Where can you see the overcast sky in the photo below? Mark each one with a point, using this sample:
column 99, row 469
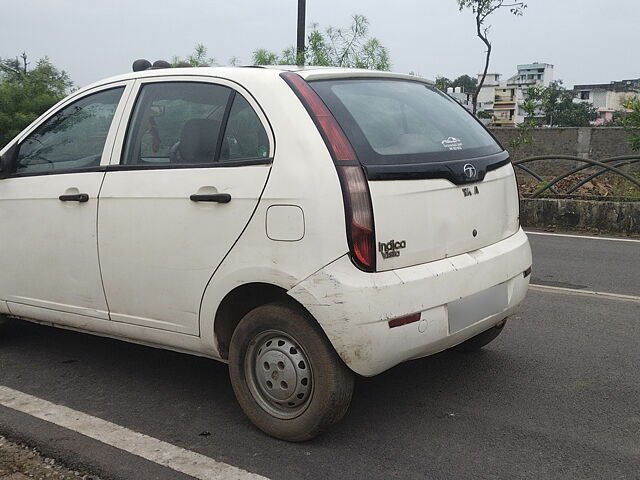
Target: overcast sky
column 588, row 41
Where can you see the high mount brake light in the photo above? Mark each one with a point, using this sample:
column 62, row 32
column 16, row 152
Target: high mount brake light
column 355, row 189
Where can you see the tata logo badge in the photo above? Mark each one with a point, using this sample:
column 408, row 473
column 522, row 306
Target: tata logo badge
column 470, row 171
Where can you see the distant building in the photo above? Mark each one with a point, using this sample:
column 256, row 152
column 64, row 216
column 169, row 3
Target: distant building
column 463, row 98
column 486, row 96
column 505, row 105
column 532, row 74
column 504, row 100
column 529, row 75
column 607, row 98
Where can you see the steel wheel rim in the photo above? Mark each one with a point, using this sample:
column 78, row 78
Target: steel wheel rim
column 279, row 374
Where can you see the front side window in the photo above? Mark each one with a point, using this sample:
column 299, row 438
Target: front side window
column 73, row 138
column 176, row 123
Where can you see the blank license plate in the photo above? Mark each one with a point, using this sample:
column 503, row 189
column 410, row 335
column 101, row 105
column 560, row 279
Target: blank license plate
column 472, row 309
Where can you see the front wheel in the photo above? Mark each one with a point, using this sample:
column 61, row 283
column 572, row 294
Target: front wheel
column 287, row 377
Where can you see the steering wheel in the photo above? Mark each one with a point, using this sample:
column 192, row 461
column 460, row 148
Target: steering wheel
column 36, row 157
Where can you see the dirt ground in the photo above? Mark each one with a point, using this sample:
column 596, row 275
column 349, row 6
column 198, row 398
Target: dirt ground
column 601, row 187
column 18, row 462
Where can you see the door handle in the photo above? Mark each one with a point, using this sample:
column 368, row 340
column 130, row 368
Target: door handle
column 211, row 197
column 77, row 197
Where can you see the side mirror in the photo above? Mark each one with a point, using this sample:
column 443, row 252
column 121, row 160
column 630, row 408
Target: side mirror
column 8, row 160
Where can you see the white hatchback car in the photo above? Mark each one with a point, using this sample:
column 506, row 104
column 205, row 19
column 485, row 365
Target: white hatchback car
column 300, row 224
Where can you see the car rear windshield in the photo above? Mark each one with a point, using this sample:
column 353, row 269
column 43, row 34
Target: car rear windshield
column 403, row 122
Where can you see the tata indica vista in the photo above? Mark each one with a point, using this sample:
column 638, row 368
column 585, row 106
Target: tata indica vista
column 301, row 224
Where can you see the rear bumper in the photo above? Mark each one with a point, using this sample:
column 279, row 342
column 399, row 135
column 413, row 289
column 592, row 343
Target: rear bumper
column 481, row 287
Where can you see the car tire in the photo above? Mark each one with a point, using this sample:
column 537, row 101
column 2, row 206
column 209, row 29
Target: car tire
column 287, row 377
column 476, row 343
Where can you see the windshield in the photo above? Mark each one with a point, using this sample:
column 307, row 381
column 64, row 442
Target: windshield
column 400, row 121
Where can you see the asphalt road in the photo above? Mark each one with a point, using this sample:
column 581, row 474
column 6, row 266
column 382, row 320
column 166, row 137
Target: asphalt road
column 589, row 263
column 557, row 395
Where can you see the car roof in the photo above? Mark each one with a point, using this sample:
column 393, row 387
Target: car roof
column 309, row 73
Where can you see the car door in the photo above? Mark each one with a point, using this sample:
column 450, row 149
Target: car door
column 49, row 207
column 194, row 161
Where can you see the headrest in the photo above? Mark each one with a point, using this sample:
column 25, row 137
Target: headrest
column 199, row 140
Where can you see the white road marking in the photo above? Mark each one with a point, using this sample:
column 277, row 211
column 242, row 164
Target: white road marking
column 149, row 448
column 586, row 237
column 574, row 291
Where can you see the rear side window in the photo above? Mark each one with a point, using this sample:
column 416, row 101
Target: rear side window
column 244, row 137
column 403, row 122
column 176, row 123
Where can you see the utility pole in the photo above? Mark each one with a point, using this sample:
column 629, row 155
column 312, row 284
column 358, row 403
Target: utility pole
column 302, row 7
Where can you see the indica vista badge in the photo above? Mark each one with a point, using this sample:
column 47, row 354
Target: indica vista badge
column 391, row 249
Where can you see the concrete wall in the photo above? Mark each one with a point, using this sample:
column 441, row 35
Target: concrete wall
column 588, row 142
column 569, row 214
column 609, row 144
column 565, row 214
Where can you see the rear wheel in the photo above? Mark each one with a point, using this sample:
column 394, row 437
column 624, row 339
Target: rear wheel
column 286, row 376
column 476, row 343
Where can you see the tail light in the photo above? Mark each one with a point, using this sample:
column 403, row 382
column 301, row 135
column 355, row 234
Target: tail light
column 355, row 189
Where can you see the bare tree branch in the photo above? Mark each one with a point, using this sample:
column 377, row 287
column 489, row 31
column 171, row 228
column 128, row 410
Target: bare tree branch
column 482, row 9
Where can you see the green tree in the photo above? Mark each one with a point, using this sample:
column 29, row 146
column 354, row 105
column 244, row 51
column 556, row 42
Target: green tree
column 551, row 98
column 443, row 83
column 27, row 93
column 262, row 56
column 534, row 97
column 339, row 47
column 468, row 84
column 482, row 9
column 572, row 114
column 553, row 106
column 560, row 109
column 631, row 121
column 198, row 58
